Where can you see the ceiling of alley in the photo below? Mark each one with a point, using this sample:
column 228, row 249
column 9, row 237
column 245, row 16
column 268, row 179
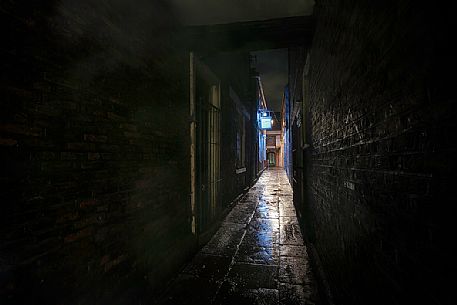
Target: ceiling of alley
column 197, row 12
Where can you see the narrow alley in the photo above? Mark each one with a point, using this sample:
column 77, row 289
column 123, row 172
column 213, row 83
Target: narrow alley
column 256, row 257
column 245, row 152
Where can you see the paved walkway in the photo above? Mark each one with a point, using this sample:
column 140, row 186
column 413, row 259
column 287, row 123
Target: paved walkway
column 256, row 257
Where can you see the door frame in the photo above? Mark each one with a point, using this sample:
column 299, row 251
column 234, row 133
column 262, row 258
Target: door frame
column 205, row 135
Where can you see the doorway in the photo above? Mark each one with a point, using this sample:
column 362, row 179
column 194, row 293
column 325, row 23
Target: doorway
column 271, row 159
column 208, row 130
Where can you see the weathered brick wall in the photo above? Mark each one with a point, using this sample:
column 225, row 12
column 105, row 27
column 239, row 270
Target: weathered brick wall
column 93, row 137
column 382, row 105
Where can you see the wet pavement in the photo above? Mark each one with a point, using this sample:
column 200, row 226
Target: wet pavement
column 256, row 257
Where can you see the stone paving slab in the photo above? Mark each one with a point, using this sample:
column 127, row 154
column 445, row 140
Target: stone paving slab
column 259, row 296
column 190, row 290
column 284, row 220
column 251, row 276
column 256, row 257
column 287, row 211
column 290, row 234
column 287, row 204
column 267, row 239
column 293, row 250
column 290, row 294
column 241, row 213
column 267, row 212
column 226, row 240
column 208, row 266
column 264, row 225
column 292, row 270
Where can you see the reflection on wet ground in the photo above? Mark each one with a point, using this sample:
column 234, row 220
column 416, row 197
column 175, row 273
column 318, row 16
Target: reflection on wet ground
column 256, row 257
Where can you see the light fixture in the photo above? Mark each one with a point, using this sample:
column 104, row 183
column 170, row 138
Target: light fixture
column 265, row 123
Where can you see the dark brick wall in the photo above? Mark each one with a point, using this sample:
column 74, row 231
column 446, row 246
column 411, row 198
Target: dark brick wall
column 381, row 174
column 93, row 143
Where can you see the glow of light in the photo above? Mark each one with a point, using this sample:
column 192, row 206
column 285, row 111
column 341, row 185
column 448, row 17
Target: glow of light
column 265, row 123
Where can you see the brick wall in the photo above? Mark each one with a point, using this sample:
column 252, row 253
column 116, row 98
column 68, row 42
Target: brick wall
column 382, row 163
column 93, row 140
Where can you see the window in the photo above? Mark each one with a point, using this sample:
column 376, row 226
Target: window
column 271, row 140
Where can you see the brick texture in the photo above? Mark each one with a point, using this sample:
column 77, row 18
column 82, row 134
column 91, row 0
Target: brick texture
column 382, row 163
column 94, row 190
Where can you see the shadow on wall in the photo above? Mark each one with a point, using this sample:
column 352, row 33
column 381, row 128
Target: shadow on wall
column 382, row 159
column 94, row 186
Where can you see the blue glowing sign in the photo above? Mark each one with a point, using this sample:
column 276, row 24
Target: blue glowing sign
column 265, row 122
